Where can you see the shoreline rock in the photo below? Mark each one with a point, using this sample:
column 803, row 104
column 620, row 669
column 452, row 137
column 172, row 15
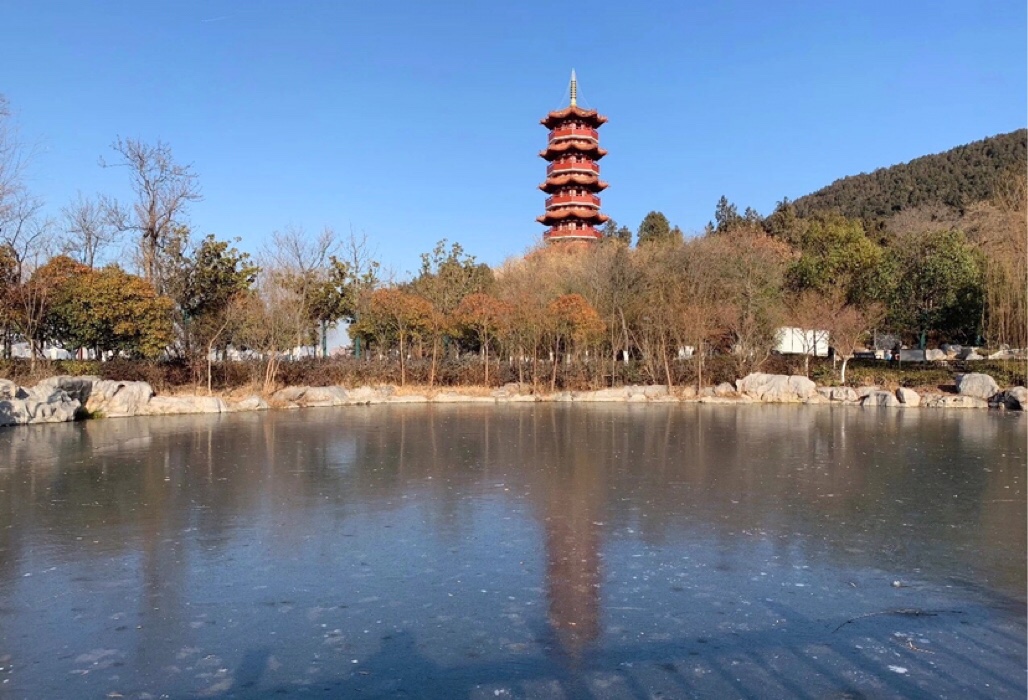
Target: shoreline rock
column 66, row 398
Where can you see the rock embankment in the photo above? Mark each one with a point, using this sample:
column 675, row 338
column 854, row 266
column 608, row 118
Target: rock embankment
column 61, row 399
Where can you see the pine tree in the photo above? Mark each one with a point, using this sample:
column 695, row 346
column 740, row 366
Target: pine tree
column 654, row 227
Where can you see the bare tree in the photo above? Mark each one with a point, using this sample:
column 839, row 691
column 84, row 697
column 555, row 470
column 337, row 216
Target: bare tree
column 13, row 161
column 296, row 263
column 92, row 226
column 163, row 190
column 34, row 246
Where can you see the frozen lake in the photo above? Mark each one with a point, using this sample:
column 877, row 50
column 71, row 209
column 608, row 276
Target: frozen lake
column 522, row 551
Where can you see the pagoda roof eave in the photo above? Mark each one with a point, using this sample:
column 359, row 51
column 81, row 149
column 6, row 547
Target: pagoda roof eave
column 552, row 217
column 590, row 181
column 590, row 116
column 555, row 150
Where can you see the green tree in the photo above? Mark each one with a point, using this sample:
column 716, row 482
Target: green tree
column 613, row 232
column 447, row 276
column 110, row 310
column 784, row 223
column 937, row 279
column 340, row 295
column 835, row 252
column 726, row 216
column 208, row 288
column 654, row 228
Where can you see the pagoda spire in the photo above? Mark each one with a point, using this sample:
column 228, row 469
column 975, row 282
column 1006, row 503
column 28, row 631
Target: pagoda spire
column 574, row 89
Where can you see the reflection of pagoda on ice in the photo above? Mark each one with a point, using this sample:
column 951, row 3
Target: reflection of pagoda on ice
column 572, row 517
column 573, row 175
column 573, row 574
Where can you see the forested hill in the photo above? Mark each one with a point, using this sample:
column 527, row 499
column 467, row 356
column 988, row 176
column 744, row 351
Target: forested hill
column 957, row 178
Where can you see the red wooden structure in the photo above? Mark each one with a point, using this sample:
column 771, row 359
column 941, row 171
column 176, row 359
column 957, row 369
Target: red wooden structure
column 573, row 175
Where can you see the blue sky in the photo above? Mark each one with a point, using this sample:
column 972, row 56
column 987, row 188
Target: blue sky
column 417, row 121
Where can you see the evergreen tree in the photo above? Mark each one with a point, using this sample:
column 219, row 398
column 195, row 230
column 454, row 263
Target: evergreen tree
column 726, row 216
column 654, row 227
column 612, row 231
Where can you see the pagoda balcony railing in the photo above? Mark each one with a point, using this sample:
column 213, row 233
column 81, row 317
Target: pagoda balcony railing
column 588, row 200
column 574, row 131
column 570, row 166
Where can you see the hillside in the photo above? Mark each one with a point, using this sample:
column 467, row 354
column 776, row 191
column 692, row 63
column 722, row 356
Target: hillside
column 955, row 178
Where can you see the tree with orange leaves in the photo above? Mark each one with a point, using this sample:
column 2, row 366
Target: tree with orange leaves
column 573, row 323
column 404, row 315
column 486, row 316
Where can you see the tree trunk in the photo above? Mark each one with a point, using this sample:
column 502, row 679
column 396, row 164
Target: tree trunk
column 667, row 366
column 403, row 365
column 556, row 361
column 699, row 367
column 435, row 353
column 842, row 371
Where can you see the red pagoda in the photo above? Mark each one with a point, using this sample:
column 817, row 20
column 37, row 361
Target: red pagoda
column 573, row 175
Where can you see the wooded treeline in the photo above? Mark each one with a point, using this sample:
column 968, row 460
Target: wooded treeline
column 955, row 179
column 568, row 313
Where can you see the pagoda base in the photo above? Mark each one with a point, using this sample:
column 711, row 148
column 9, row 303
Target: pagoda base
column 578, row 234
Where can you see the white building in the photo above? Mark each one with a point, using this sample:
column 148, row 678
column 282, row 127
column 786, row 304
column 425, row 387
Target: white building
column 797, row 341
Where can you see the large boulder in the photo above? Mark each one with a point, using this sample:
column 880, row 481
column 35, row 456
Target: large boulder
column 1016, row 398
column 934, row 355
column 313, row 396
column 977, row 385
column 740, row 398
column 724, row 389
column 10, row 390
column 908, row 397
column 369, row 394
column 324, row 396
column 650, row 391
column 114, row 399
column 250, row 403
column 181, row 405
column 776, row 388
column 951, row 401
column 619, row 393
column 881, row 398
column 453, row 397
column 78, row 388
column 408, row 398
column 842, row 394
column 291, row 394
column 58, row 407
